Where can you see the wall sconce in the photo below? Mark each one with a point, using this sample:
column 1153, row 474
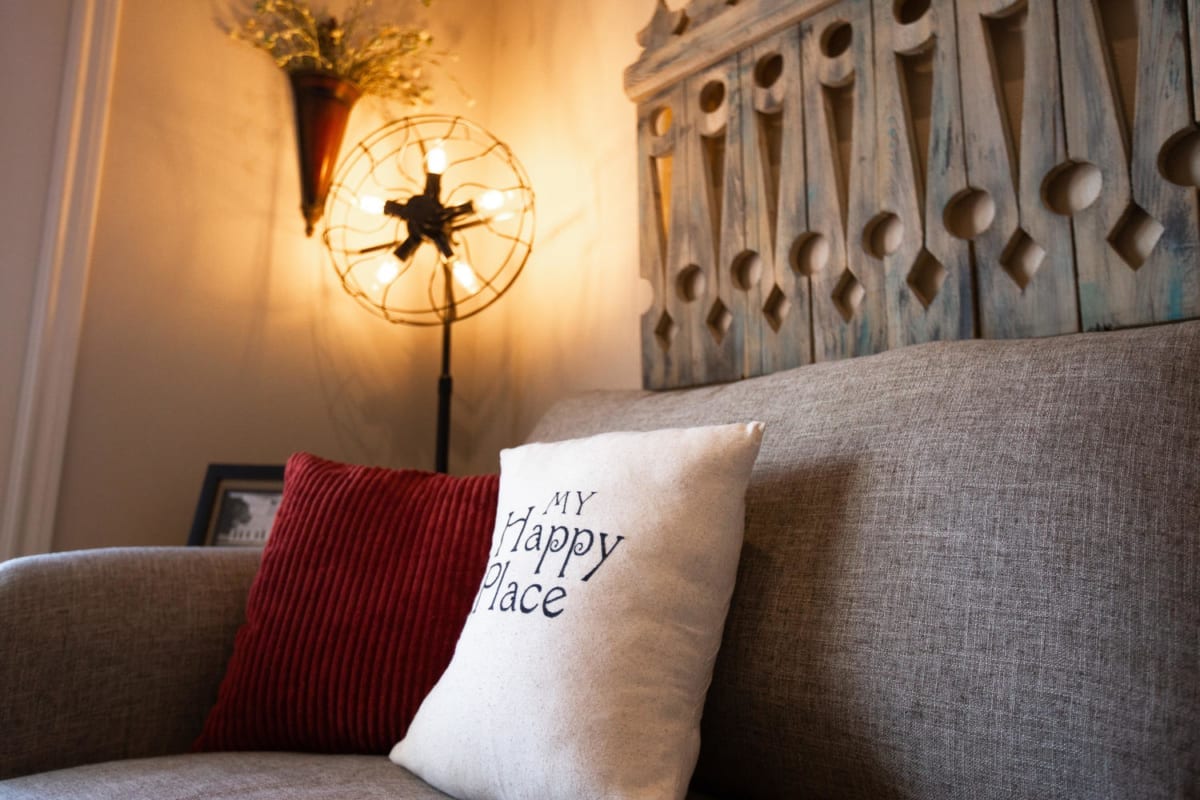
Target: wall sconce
column 429, row 221
column 330, row 63
column 323, row 103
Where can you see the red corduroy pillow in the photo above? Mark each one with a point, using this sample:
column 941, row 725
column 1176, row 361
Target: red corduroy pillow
column 365, row 584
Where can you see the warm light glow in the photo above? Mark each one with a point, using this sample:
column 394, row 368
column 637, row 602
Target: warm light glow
column 466, row 277
column 491, row 200
column 371, row 204
column 387, row 271
column 435, row 160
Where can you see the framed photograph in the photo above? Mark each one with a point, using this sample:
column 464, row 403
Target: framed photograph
column 237, row 505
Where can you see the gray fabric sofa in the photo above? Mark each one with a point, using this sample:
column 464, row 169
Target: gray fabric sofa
column 971, row 569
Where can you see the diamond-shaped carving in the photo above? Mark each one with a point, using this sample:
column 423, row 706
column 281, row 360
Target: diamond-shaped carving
column 1135, row 236
column 718, row 321
column 848, row 295
column 926, row 277
column 665, row 330
column 776, row 308
column 1022, row 258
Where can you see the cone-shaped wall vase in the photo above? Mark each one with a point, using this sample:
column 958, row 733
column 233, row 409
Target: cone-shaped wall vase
column 323, row 104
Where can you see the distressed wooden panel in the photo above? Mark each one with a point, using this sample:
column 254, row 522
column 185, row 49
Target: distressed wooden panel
column 920, row 166
column 849, row 304
column 701, row 11
column 843, row 177
column 665, row 24
column 675, row 48
column 658, row 128
column 1116, row 122
column 776, row 205
column 732, row 315
column 1092, row 186
column 1167, row 284
column 1013, row 120
column 1194, row 28
column 696, row 290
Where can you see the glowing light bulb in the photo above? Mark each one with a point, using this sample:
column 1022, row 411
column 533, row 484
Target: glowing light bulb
column 387, row 271
column 466, row 277
column 435, row 160
column 491, row 200
column 494, row 205
column 371, row 204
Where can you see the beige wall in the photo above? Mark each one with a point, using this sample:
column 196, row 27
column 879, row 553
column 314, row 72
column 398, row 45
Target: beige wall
column 33, row 43
column 215, row 331
column 571, row 322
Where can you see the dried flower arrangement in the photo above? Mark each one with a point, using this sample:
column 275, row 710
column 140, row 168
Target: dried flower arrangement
column 386, row 60
column 330, row 62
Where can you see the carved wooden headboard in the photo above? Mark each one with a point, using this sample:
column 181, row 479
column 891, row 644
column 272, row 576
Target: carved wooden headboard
column 821, row 180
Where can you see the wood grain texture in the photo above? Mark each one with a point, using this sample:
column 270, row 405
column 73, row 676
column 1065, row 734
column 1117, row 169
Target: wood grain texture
column 659, row 331
column 849, row 308
column 696, row 285
column 683, row 249
column 896, row 235
column 929, row 280
column 673, row 58
column 1167, row 284
column 744, row 247
column 663, row 25
column 1193, row 13
column 826, row 221
column 1095, row 136
column 779, row 210
column 734, row 352
column 1024, row 259
column 950, row 313
column 701, row 11
column 852, row 176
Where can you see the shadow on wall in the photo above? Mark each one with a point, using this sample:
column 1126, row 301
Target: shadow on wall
column 381, row 395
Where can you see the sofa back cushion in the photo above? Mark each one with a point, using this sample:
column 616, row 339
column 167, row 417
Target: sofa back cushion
column 970, row 569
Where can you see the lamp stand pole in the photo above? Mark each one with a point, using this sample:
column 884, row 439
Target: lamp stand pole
column 445, row 381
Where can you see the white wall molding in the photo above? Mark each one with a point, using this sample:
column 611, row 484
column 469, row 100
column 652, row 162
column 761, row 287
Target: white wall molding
column 43, row 412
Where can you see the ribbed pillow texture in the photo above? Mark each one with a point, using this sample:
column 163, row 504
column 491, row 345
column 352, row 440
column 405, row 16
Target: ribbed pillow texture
column 366, row 581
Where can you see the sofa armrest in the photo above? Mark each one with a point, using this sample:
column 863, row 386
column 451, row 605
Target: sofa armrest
column 117, row 653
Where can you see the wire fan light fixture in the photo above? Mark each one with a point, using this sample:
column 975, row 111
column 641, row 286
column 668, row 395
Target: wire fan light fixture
column 421, row 200
column 429, row 221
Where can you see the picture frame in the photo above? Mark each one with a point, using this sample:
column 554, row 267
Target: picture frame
column 237, row 505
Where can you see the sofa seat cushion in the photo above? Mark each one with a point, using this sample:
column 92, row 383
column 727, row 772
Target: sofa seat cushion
column 227, row 776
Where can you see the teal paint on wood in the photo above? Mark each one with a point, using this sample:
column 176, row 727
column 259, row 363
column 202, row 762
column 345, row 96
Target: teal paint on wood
column 778, row 92
column 1194, row 39
column 1165, row 283
column 1013, row 123
column 897, row 174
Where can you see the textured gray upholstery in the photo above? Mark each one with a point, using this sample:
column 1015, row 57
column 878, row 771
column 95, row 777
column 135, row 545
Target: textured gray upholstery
column 971, row 569
column 228, row 776
column 110, row 654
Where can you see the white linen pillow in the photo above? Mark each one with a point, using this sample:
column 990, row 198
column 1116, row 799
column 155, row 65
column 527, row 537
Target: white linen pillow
column 584, row 664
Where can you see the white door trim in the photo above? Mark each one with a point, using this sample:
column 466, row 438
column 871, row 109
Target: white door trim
column 48, row 378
